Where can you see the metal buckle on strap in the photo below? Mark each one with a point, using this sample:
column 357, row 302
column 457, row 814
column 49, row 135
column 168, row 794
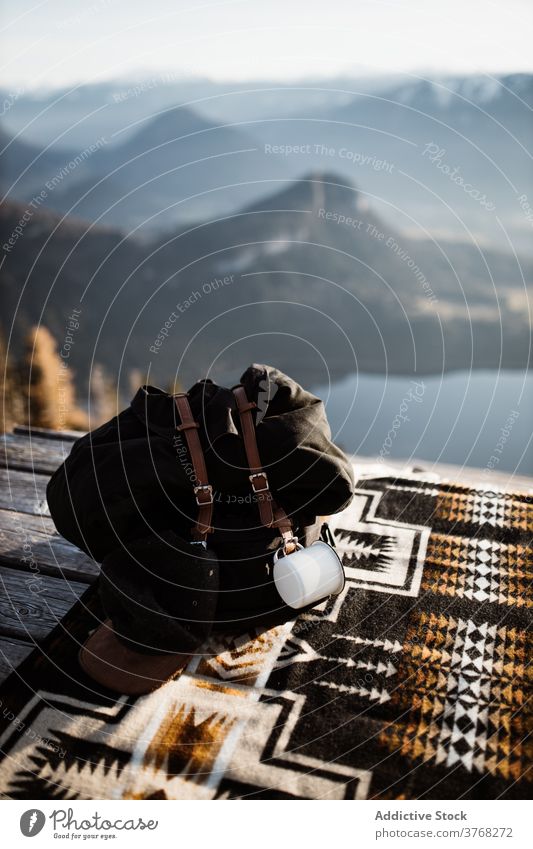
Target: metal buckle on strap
column 255, row 488
column 205, row 489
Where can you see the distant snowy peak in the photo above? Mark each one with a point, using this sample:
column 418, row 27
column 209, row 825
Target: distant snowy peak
column 479, row 89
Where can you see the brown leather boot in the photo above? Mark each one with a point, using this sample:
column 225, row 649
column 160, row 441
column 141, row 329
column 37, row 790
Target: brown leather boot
column 109, row 662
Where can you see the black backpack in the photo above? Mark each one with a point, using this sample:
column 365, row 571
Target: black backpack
column 184, row 519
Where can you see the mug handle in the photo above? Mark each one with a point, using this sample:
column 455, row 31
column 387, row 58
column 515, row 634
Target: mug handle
column 280, row 552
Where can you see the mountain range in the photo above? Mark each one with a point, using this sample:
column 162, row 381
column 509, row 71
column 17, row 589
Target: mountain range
column 176, row 166
column 448, row 157
column 311, row 278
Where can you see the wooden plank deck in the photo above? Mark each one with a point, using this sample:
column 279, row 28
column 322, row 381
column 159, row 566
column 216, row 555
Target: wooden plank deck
column 42, row 575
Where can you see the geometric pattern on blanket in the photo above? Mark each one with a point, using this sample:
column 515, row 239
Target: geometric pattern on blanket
column 413, row 683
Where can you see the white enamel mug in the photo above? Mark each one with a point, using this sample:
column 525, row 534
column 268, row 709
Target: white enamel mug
column 308, row 575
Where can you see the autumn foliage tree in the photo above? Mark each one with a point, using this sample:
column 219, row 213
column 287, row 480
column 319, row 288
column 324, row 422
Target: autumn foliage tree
column 48, row 385
column 39, row 390
column 104, row 398
column 11, row 405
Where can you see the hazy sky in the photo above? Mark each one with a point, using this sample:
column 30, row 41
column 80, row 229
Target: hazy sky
column 58, row 42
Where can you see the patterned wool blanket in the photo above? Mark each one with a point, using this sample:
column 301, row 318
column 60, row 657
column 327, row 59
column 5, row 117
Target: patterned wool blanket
column 413, row 683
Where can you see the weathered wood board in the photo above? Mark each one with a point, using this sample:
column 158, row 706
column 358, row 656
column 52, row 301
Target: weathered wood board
column 41, row 574
column 32, row 454
column 31, row 605
column 31, row 543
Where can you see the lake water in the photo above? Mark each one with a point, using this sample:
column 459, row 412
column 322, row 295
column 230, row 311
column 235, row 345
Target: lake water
column 478, row 418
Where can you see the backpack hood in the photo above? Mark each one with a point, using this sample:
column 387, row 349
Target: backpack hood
column 285, row 411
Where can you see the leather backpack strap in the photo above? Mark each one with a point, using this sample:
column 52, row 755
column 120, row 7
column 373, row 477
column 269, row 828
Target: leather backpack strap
column 271, row 513
column 203, row 491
